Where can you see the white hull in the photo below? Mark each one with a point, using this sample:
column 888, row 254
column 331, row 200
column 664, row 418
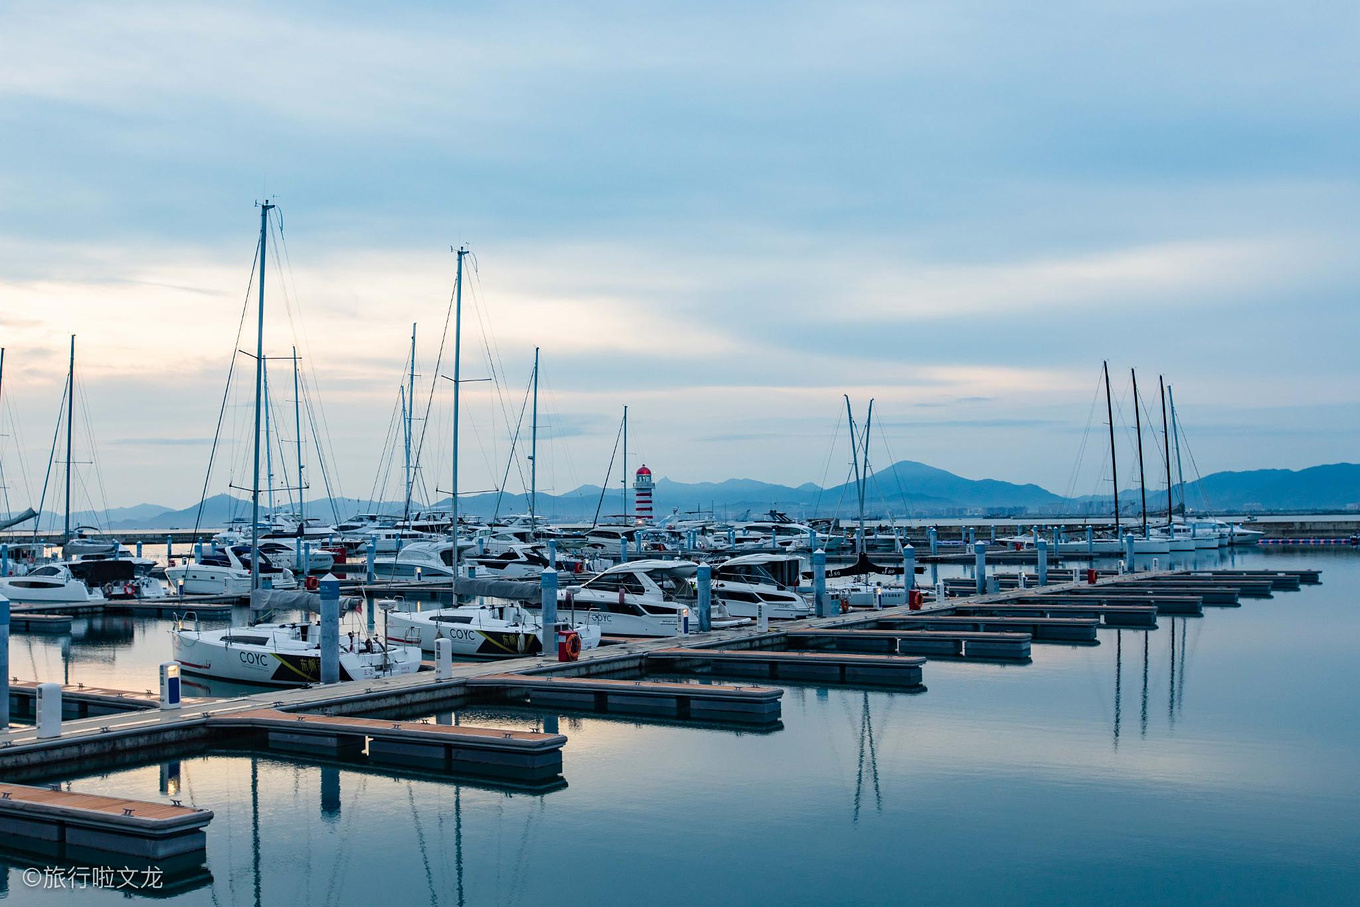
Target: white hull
column 24, row 590
column 207, row 655
column 483, row 636
column 202, row 579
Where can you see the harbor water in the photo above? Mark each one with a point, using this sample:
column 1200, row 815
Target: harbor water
column 1214, row 759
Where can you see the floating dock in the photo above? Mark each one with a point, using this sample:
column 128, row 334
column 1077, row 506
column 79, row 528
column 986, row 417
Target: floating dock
column 1040, row 629
column 78, row 701
column 947, row 643
column 522, row 755
column 66, row 820
column 705, row 702
column 1179, row 605
column 872, row 670
column 1111, row 615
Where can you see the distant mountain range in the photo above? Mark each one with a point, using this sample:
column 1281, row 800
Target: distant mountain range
column 906, row 488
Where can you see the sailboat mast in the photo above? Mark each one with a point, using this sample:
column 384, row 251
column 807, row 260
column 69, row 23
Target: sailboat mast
column 268, row 449
column 1166, row 445
column 626, row 519
column 70, row 409
column 259, row 392
column 297, row 427
column 533, row 456
column 3, row 488
column 410, row 392
column 1114, row 460
column 864, row 473
column 1138, row 427
column 1176, row 439
column 457, row 366
column 854, row 456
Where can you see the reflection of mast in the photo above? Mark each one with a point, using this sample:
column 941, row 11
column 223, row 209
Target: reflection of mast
column 330, row 794
column 255, row 823
column 1180, row 691
column 458, row 839
column 1143, row 729
column 866, row 744
column 1171, row 688
column 1118, row 681
column 420, row 840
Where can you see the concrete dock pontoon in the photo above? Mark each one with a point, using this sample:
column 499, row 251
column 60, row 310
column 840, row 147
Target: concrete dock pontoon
column 108, row 824
column 1111, row 615
column 1040, row 629
column 710, row 702
column 954, row 644
column 874, row 670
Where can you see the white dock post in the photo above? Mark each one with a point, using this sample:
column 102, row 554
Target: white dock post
column 4, row 663
column 980, row 565
column 704, row 580
column 682, row 622
column 170, row 692
column 878, row 598
column 1042, row 547
column 731, row 538
column 821, row 604
column 1021, row 579
column 48, row 710
column 443, row 659
column 330, row 629
column 762, row 619
column 940, row 592
column 548, row 582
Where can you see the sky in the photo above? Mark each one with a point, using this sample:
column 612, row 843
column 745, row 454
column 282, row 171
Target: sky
column 724, row 216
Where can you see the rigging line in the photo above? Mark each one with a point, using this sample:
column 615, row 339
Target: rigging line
column 514, row 442
column 434, row 381
column 901, row 491
column 226, row 391
column 420, row 840
column 94, row 455
column 1081, row 450
column 19, row 447
column 826, row 468
column 556, row 422
column 51, row 457
column 609, row 472
column 388, row 438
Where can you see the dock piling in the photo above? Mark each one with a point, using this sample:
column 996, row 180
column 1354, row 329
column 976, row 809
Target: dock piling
column 4, row 663
column 1128, row 551
column 820, row 604
column 623, row 550
column 169, row 549
column 548, row 582
column 139, row 550
column 704, row 580
column 980, row 566
column 4, row 560
column 934, row 537
column 1042, row 547
column 908, row 569
column 1091, row 541
column 552, row 553
column 372, row 553
column 330, row 629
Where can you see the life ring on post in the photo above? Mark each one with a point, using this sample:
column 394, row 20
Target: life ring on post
column 573, row 646
column 311, row 583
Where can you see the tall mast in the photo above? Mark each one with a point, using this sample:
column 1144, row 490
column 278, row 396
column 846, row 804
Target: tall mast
column 259, row 391
column 854, row 456
column 533, row 456
column 268, row 449
column 70, row 408
column 297, row 427
column 1138, row 427
column 457, row 365
column 1114, row 460
column 626, row 519
column 864, row 455
column 410, row 412
column 1166, row 445
column 3, row 488
column 1176, row 438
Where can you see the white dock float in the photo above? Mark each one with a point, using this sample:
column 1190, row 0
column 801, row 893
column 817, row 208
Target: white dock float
column 875, row 670
column 108, row 824
column 710, row 702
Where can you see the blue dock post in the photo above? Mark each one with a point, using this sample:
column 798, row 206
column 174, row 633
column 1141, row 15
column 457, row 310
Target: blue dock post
column 305, row 561
column 552, row 553
column 731, row 538
column 548, row 581
column 992, row 536
column 1091, row 541
column 623, row 550
column 1128, row 551
column 934, row 537
column 972, row 535
column 980, row 565
column 371, row 575
column 198, row 552
column 812, row 539
column 819, row 599
column 908, row 571
column 1042, row 547
column 637, row 543
column 704, row 579
column 330, row 629
column 139, row 550
column 1035, row 533
column 4, row 663
column 169, row 548
column 4, row 559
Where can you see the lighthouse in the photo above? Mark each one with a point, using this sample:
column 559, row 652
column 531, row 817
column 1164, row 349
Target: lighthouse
column 642, row 489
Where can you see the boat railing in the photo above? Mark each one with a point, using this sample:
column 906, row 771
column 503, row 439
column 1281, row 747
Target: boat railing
column 181, row 618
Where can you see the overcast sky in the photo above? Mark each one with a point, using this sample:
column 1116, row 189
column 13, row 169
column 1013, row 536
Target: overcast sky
column 723, row 215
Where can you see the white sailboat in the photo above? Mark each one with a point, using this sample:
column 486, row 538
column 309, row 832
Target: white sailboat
column 482, row 631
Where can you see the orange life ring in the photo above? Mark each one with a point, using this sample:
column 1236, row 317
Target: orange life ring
column 573, row 646
column 312, row 583
column 576, row 567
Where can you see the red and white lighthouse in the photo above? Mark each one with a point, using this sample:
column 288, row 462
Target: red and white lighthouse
column 642, row 489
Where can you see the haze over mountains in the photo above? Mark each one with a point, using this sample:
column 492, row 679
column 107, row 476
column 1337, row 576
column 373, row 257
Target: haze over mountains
column 906, row 488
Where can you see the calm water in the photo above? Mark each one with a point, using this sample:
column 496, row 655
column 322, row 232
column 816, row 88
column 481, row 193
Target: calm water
column 1213, row 759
